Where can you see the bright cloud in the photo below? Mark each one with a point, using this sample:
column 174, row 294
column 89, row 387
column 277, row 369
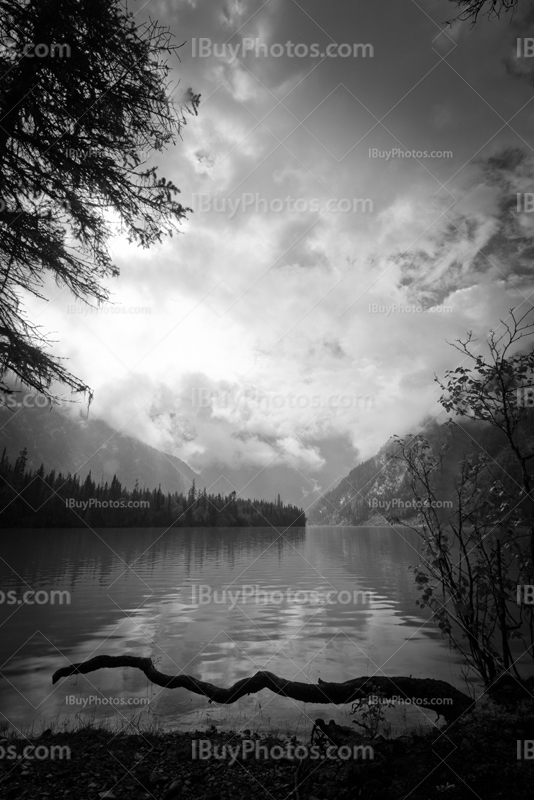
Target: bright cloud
column 274, row 314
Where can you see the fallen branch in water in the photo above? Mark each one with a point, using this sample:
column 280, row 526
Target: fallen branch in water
column 435, row 695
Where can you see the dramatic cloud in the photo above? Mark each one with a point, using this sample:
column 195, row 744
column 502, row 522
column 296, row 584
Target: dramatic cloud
column 309, row 299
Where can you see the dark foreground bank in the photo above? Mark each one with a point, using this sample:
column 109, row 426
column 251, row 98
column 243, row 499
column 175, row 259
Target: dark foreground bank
column 489, row 754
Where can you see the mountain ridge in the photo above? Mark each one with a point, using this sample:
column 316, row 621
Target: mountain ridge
column 378, row 486
column 61, row 442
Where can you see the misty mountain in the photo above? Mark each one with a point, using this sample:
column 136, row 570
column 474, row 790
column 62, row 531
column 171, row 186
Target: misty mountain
column 60, row 440
column 65, row 443
column 379, row 486
column 300, row 486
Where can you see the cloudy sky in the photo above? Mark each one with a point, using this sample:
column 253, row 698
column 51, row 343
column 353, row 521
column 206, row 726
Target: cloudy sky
column 300, row 318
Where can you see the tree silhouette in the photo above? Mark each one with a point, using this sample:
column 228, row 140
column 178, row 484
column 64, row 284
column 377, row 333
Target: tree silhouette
column 470, row 9
column 84, row 100
column 61, row 501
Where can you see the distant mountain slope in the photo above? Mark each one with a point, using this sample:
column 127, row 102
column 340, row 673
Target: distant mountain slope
column 68, row 444
column 379, row 485
column 61, row 442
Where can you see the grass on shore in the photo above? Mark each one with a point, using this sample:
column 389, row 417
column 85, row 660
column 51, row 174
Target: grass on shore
column 477, row 756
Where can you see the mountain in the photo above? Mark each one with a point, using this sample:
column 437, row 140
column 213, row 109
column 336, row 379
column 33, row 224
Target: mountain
column 65, row 443
column 68, row 443
column 61, row 441
column 379, row 486
column 300, row 486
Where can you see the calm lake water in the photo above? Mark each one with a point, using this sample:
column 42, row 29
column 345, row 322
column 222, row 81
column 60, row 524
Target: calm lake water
column 137, row 591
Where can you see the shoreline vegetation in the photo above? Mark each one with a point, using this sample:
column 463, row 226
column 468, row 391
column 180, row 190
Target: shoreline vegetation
column 479, row 749
column 35, row 499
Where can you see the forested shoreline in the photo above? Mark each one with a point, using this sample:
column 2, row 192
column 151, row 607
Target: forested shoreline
column 39, row 499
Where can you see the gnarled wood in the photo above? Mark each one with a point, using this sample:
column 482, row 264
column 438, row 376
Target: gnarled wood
column 425, row 690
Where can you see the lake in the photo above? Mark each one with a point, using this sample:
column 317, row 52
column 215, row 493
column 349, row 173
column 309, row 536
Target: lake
column 171, row 595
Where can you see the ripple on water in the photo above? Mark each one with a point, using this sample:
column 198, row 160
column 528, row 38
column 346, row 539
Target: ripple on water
column 113, row 611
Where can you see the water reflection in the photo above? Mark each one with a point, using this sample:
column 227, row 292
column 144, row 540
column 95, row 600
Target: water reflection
column 138, row 591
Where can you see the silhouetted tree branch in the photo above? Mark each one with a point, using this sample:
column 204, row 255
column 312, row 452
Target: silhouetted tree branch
column 490, row 8
column 84, row 103
column 425, row 689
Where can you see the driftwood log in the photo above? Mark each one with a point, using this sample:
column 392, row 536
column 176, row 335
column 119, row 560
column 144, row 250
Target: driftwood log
column 424, row 690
